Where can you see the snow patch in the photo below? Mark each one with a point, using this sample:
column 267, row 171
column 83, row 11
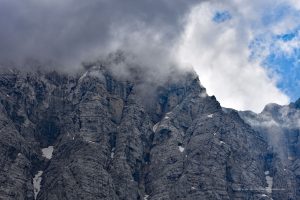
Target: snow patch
column 267, row 172
column 181, row 149
column 193, row 188
column 47, row 152
column 112, row 154
column 210, row 116
column 155, row 127
column 167, row 116
column 83, row 76
column 146, row 197
column 269, row 180
column 37, row 183
column 221, row 142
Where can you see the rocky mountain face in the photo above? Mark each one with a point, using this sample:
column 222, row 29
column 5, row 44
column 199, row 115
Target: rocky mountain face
column 115, row 138
column 280, row 126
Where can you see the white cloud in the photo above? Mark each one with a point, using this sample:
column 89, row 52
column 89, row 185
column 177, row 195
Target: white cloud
column 150, row 29
column 220, row 53
column 287, row 47
column 295, row 3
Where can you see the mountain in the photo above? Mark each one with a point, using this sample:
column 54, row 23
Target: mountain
column 280, row 126
column 97, row 135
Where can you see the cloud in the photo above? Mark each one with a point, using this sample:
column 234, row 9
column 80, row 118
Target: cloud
column 221, row 55
column 69, row 31
column 213, row 36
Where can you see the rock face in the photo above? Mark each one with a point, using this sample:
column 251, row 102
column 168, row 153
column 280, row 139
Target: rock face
column 112, row 140
column 280, row 126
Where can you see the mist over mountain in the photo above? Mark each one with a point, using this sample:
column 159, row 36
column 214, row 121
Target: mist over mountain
column 69, row 32
column 107, row 134
column 221, row 41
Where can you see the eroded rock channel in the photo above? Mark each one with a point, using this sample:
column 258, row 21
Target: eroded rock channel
column 37, row 179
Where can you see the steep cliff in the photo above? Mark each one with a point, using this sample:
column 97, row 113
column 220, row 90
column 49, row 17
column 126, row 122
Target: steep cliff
column 117, row 138
column 280, row 126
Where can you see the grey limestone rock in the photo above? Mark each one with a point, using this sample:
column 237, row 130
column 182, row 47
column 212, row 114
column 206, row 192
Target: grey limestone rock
column 280, row 126
column 119, row 138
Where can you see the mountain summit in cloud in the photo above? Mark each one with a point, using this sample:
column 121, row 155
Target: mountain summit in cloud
column 231, row 45
column 98, row 135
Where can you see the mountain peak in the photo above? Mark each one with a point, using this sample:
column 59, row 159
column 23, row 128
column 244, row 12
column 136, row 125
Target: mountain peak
column 297, row 104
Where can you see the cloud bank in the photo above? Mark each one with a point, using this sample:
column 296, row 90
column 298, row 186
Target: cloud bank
column 220, row 40
column 69, row 31
column 216, row 42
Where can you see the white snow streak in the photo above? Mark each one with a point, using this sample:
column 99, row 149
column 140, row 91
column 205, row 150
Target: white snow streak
column 155, row 127
column 37, row 179
column 210, row 116
column 83, row 76
column 112, row 154
column 269, row 180
column 37, row 183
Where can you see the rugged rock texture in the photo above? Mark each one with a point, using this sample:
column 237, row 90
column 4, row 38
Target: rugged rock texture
column 114, row 140
column 280, row 126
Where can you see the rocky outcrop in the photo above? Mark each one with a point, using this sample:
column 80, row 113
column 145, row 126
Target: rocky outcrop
column 119, row 138
column 280, row 126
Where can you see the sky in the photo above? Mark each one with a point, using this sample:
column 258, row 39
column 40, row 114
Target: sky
column 246, row 53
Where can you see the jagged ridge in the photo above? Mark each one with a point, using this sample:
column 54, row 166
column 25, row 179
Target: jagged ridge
column 113, row 141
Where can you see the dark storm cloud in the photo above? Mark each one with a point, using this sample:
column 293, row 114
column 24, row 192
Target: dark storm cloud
column 67, row 31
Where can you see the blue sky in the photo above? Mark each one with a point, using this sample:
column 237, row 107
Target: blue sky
column 285, row 66
column 221, row 16
column 283, row 58
column 246, row 53
column 285, row 62
column 288, row 70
